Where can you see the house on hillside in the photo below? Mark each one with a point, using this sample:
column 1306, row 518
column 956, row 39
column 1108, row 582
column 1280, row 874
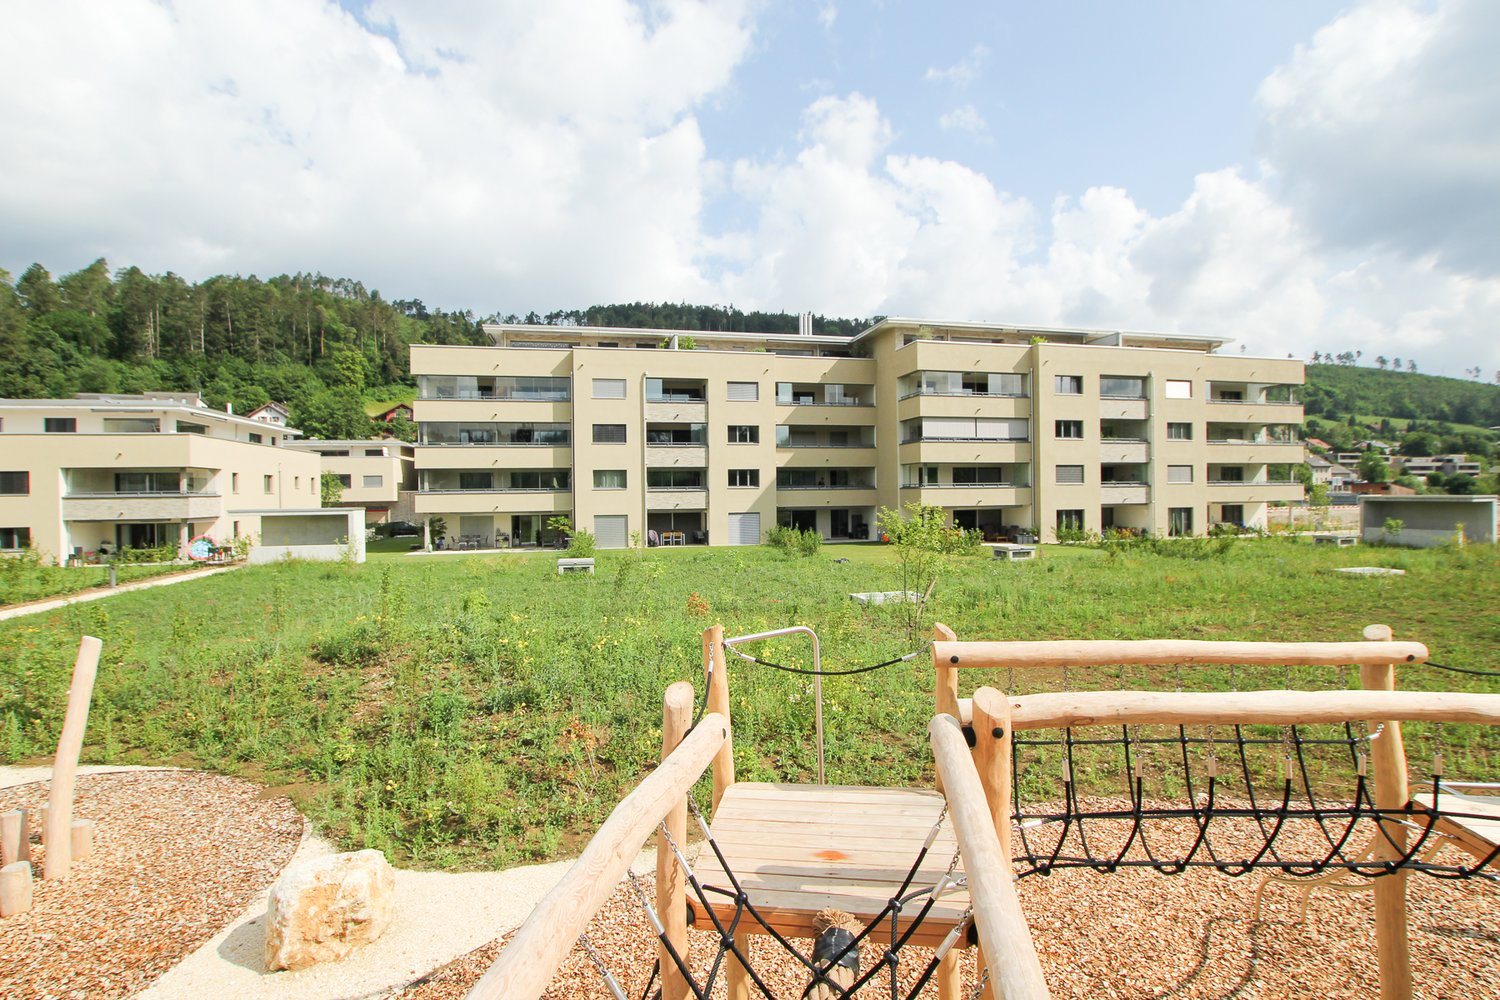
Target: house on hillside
column 393, row 412
column 273, row 413
column 1426, row 465
column 1336, row 477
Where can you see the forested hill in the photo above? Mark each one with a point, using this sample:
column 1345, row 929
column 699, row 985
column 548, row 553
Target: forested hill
column 1337, row 392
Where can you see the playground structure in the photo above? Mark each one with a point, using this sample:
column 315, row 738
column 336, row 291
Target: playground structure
column 778, row 854
column 65, row 838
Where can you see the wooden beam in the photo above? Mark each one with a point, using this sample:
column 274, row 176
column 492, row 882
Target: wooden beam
column 1100, row 652
column 526, row 966
column 1275, row 708
column 1014, row 969
column 59, row 857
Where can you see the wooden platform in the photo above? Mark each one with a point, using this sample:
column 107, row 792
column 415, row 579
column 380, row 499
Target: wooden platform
column 1476, row 828
column 797, row 849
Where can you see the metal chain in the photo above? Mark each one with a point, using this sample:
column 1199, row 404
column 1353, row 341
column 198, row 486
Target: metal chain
column 609, row 979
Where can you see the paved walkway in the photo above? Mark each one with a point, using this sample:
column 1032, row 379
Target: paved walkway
column 52, row 604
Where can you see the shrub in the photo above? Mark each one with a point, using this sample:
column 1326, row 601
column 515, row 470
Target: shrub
column 794, row 541
column 581, row 544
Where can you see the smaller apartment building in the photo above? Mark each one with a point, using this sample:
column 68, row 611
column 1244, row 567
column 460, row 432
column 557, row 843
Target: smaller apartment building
column 143, row 471
column 1003, row 428
column 376, row 474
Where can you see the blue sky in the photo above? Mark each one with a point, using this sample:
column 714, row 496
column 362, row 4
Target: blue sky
column 1297, row 176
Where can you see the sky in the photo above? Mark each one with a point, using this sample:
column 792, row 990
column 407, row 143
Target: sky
column 1296, row 175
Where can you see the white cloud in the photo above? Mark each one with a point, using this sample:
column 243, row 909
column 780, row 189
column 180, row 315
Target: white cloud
column 963, row 72
column 1385, row 131
column 827, row 14
column 510, row 155
column 963, row 119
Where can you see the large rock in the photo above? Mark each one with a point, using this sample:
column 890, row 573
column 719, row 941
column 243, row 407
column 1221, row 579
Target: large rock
column 323, row 908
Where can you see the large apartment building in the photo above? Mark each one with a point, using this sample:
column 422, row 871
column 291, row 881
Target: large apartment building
column 140, row 471
column 1004, row 428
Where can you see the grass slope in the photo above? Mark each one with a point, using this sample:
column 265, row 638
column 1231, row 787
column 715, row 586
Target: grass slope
column 481, row 710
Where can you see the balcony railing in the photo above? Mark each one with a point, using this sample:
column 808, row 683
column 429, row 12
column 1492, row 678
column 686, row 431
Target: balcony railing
column 1254, row 441
column 1253, row 482
column 511, row 395
column 501, row 489
column 136, row 494
column 835, row 486
column 964, row 486
column 1122, row 440
column 815, row 444
column 965, row 392
column 497, row 443
column 980, row 440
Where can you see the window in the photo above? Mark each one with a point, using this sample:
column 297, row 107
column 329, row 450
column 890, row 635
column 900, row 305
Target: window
column 609, row 433
column 15, row 484
column 373, row 482
column 609, row 388
column 374, row 453
column 60, row 425
column 234, row 482
column 978, row 475
column 674, row 479
column 1231, row 474
column 255, row 438
column 744, row 477
column 1178, row 388
column 1069, row 475
column 744, row 434
column 269, row 482
column 1179, row 520
column 1233, row 513
column 483, row 480
column 1069, row 429
column 1070, row 520
column 1122, row 387
column 183, row 427
column 1068, row 385
column 1179, row 432
column 1179, row 473
column 545, row 480
column 131, row 425
column 15, row 538
column 335, row 453
column 609, row 479
column 345, row 479
column 744, row 392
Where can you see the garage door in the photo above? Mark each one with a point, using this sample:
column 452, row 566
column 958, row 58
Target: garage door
column 744, row 529
column 609, row 530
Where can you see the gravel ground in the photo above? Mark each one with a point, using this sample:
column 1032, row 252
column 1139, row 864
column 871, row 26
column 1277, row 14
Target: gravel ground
column 177, row 855
column 1134, row 934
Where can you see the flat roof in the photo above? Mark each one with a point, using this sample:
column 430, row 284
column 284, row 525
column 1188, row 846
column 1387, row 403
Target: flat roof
column 163, row 403
column 1431, row 497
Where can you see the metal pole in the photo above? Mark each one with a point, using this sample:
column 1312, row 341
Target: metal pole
column 817, row 673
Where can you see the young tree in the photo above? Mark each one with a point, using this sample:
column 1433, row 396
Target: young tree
column 1373, row 467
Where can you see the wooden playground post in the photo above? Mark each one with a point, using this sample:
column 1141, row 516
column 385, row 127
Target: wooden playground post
column 992, row 757
column 716, row 676
column 1392, row 792
column 59, row 857
column 671, row 881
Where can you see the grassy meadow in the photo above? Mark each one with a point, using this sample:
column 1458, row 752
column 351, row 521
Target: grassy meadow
column 23, row 579
column 479, row 710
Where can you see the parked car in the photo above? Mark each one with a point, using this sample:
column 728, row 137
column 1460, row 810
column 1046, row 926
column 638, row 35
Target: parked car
column 403, row 528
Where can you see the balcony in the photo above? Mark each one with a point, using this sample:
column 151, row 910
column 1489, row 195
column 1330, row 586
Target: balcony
column 686, row 455
column 1124, row 450
column 1123, row 408
column 968, row 494
column 495, row 456
column 141, row 506
column 1111, row 494
column 493, row 501
column 824, row 394
column 676, row 498
column 1228, row 491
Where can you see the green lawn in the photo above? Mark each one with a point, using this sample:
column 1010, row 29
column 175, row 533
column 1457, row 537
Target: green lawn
column 479, row 710
column 22, row 581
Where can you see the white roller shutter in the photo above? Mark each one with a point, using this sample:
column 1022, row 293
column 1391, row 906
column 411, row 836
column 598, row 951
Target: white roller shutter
column 744, row 392
column 610, row 530
column 937, row 428
column 744, row 529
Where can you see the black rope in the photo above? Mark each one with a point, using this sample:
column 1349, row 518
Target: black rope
column 1464, row 670
column 824, row 673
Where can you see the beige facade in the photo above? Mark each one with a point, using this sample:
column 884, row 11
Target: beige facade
column 139, row 471
column 1006, row 429
column 375, row 474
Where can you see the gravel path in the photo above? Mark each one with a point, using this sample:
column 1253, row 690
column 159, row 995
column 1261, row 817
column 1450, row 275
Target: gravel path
column 178, row 854
column 1135, row 934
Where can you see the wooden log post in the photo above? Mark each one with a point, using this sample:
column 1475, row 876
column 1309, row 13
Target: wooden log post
column 716, row 676
column 1015, row 972
column 671, row 880
column 527, row 964
column 81, row 839
column 65, row 767
column 15, row 888
column 945, row 679
column 15, row 837
column 992, row 758
column 1388, row 768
